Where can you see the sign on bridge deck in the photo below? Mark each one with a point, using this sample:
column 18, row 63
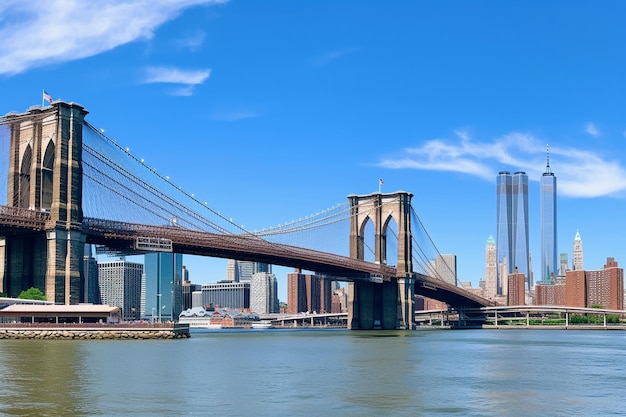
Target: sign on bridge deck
column 153, row 244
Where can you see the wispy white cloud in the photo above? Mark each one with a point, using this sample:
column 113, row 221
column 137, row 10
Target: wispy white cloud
column 40, row 33
column 187, row 79
column 234, row 116
column 191, row 42
column 592, row 129
column 332, row 56
column 184, row 91
column 580, row 172
column 176, row 75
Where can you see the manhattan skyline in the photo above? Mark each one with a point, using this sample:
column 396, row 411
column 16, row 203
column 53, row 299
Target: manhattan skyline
column 273, row 111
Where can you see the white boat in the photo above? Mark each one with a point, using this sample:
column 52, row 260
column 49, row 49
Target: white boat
column 263, row 324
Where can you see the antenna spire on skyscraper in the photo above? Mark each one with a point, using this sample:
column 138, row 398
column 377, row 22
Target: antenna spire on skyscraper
column 547, row 158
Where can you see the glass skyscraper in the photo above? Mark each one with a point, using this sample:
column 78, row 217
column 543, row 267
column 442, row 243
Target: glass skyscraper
column 512, row 227
column 164, row 285
column 549, row 265
column 521, row 256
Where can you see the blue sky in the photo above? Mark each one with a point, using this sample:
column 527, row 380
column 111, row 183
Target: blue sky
column 274, row 110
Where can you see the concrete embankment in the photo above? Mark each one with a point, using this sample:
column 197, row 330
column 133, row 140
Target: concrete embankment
column 555, row 327
column 112, row 333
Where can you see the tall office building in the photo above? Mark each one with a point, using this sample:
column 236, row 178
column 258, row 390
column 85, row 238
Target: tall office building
column 491, row 269
column 512, row 243
column 605, row 287
column 188, row 290
column 516, row 289
column 445, row 268
column 245, row 270
column 578, row 253
column 264, row 293
column 504, row 231
column 232, row 274
column 120, row 286
column 90, row 270
column 308, row 292
column 237, row 271
column 549, row 265
column 226, row 294
column 164, row 285
column 601, row 288
column 521, row 254
column 563, row 264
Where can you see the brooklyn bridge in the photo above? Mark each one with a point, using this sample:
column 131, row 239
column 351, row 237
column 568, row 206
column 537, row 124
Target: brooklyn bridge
column 69, row 185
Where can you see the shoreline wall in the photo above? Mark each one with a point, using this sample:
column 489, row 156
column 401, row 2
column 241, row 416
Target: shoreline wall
column 92, row 334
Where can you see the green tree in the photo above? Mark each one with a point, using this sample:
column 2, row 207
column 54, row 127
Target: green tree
column 32, row 294
column 3, row 294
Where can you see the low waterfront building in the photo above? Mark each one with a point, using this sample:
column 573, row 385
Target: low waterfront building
column 60, row 313
column 197, row 318
column 232, row 318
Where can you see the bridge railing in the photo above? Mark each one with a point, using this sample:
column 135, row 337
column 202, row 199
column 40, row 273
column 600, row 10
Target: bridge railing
column 22, row 217
column 109, row 232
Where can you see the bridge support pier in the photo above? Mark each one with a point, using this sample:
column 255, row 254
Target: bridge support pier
column 64, row 281
column 25, row 264
column 372, row 306
column 406, row 309
column 385, row 306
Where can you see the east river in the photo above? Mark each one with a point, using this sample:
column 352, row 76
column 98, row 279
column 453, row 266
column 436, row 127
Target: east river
column 320, row 373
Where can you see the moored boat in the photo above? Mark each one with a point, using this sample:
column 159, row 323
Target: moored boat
column 263, row 324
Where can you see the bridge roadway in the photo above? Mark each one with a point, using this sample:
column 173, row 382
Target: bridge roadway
column 123, row 236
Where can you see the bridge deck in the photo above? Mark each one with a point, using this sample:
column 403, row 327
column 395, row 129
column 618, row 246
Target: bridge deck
column 123, row 236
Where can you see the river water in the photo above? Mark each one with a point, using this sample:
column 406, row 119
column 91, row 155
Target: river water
column 321, row 373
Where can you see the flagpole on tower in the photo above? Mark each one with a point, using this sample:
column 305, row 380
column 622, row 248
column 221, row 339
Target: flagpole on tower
column 43, row 93
column 380, row 184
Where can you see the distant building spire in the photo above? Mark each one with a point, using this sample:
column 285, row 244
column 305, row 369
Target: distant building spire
column 547, row 159
column 578, row 252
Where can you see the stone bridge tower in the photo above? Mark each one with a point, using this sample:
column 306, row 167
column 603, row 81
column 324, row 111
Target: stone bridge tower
column 45, row 175
column 387, row 305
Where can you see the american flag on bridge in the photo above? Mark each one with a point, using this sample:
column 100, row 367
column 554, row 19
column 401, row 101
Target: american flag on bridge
column 47, row 97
